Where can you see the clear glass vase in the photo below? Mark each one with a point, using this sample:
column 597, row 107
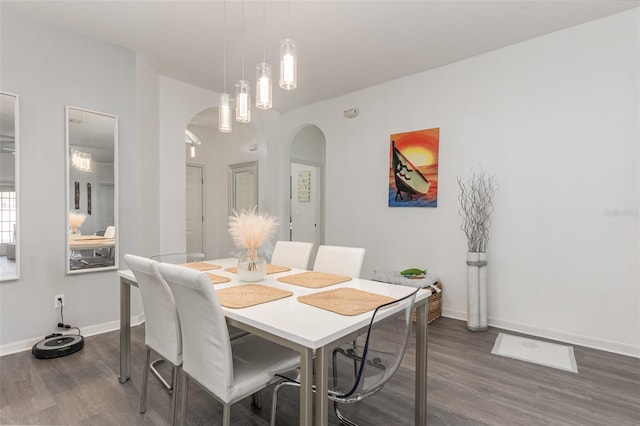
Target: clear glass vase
column 252, row 267
column 74, row 233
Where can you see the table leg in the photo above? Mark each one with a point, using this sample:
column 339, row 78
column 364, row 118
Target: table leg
column 306, row 387
column 421, row 365
column 125, row 331
column 322, row 378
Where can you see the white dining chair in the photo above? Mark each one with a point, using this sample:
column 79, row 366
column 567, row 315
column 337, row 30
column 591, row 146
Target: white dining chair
column 294, row 254
column 162, row 332
column 110, row 232
column 339, row 260
column 228, row 370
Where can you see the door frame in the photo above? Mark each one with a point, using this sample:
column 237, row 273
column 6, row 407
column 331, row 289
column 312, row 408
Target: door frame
column 204, row 203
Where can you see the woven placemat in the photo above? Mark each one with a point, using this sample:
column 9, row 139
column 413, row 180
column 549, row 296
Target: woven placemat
column 246, row 295
column 217, row 279
column 271, row 269
column 345, row 301
column 200, row 266
column 314, row 279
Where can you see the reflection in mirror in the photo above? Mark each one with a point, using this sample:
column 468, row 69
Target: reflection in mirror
column 243, row 186
column 92, row 190
column 9, row 247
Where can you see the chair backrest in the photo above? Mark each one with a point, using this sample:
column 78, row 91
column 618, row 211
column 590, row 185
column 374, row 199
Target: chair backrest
column 110, row 232
column 339, row 260
column 378, row 353
column 206, row 347
column 294, row 254
column 162, row 324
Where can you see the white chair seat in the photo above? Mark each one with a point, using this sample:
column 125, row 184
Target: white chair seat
column 255, row 363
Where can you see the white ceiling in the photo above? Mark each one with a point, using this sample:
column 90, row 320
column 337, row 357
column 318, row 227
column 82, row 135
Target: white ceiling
column 343, row 46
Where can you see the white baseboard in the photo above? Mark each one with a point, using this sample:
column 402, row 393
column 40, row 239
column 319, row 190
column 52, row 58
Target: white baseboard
column 89, row 330
column 562, row 336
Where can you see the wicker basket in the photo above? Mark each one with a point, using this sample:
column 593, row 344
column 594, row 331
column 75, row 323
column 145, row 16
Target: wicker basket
column 434, row 306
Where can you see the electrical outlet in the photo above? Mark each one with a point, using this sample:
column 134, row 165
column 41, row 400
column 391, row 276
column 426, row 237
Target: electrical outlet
column 56, row 300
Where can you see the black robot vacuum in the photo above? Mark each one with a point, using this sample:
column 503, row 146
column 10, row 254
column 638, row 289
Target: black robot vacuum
column 57, row 345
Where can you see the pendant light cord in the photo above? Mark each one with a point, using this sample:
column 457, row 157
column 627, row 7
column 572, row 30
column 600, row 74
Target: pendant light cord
column 243, row 39
column 264, row 20
column 225, row 46
column 288, row 21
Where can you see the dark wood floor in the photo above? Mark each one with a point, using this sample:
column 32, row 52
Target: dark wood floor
column 467, row 385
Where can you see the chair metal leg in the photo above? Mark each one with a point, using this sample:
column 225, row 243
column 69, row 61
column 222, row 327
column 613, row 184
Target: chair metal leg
column 145, row 381
column 157, row 374
column 175, row 374
column 185, row 396
column 226, row 415
column 256, row 400
column 274, row 400
column 343, row 420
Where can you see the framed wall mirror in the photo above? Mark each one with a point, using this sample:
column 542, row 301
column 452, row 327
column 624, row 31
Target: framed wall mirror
column 9, row 223
column 243, row 186
column 92, row 190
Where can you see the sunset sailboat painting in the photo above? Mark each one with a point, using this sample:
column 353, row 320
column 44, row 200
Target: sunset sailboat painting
column 413, row 169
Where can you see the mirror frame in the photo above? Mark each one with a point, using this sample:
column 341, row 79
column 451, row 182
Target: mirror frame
column 16, row 127
column 68, row 192
column 233, row 171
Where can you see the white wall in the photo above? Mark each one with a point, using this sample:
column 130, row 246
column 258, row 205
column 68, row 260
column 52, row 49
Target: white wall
column 49, row 68
column 147, row 182
column 555, row 119
column 308, row 145
column 7, row 169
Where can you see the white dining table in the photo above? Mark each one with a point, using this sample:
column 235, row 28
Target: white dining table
column 301, row 327
column 91, row 242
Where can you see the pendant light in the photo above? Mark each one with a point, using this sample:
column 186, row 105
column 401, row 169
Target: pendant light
column 243, row 90
column 263, row 72
column 224, row 110
column 288, row 60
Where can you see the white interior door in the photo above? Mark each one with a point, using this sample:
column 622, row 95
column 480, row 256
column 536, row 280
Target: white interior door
column 106, row 215
column 195, row 213
column 305, row 203
column 245, row 191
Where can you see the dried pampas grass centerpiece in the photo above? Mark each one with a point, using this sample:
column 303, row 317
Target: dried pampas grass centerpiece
column 250, row 230
column 75, row 221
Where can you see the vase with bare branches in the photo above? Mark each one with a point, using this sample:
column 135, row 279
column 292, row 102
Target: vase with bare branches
column 476, row 206
column 249, row 230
